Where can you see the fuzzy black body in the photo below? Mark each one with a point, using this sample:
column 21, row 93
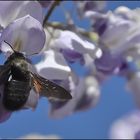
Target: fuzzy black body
column 18, row 78
column 18, row 82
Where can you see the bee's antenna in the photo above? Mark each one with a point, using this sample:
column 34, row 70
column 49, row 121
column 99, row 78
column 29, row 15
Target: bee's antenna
column 10, row 45
column 16, row 51
column 31, row 54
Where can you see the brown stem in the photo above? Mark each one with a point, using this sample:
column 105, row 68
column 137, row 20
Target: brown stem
column 52, row 7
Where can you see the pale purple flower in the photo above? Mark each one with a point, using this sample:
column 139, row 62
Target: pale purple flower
column 62, row 48
column 127, row 127
column 118, row 30
column 85, row 93
column 53, row 66
column 11, row 10
column 119, row 34
column 72, row 46
column 109, row 64
column 70, row 40
column 72, row 56
column 58, row 40
column 85, row 6
column 26, row 35
column 133, row 53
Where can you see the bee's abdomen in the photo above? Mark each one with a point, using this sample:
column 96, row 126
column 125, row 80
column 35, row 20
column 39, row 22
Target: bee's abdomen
column 15, row 94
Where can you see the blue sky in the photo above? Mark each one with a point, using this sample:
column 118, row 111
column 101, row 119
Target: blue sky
column 94, row 123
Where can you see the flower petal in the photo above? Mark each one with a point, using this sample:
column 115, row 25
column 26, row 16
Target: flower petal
column 109, row 63
column 11, row 10
column 73, row 42
column 72, row 56
column 25, row 35
column 125, row 24
column 8, row 11
column 53, row 66
column 33, row 9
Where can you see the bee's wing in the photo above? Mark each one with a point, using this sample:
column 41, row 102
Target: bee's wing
column 4, row 73
column 49, row 89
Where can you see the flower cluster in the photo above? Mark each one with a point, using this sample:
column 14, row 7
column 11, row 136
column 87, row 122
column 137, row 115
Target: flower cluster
column 78, row 59
column 22, row 26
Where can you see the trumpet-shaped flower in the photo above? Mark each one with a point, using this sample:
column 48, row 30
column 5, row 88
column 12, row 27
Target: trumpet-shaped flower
column 72, row 46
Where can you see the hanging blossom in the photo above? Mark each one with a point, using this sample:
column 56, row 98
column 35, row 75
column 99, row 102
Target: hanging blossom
column 55, row 60
column 27, row 36
column 69, row 48
column 72, row 46
column 118, row 34
column 127, row 127
column 85, row 92
column 118, row 30
column 62, row 50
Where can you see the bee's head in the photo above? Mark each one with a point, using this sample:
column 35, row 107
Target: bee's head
column 18, row 61
column 19, row 68
column 19, row 72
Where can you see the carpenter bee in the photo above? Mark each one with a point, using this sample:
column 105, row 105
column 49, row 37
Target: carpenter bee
column 19, row 79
